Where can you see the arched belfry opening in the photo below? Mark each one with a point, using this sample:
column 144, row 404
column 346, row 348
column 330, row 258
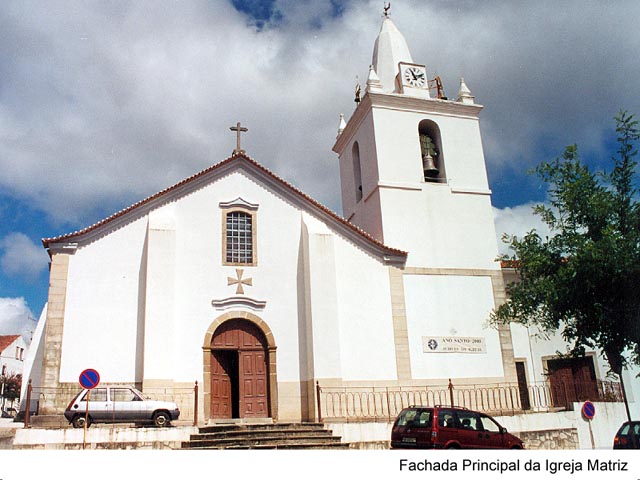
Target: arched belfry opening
column 239, row 368
column 433, row 166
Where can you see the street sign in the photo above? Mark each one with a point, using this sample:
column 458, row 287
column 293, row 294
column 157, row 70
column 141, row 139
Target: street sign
column 89, row 378
column 588, row 410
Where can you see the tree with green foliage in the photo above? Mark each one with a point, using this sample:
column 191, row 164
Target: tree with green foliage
column 583, row 281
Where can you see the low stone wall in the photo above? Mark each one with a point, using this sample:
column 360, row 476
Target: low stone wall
column 115, row 437
column 6, row 438
column 557, row 431
column 381, row 445
column 561, row 439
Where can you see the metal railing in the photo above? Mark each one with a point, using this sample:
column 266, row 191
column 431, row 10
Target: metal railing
column 369, row 403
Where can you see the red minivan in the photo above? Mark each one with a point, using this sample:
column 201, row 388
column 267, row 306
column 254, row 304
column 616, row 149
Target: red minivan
column 449, row 427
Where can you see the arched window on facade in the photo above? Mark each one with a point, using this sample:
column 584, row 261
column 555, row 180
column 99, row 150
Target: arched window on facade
column 357, row 171
column 433, row 166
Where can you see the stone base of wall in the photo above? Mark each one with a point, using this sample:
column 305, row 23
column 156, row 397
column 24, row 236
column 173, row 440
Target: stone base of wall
column 560, row 439
column 6, row 438
column 379, row 445
column 102, row 438
column 102, row 446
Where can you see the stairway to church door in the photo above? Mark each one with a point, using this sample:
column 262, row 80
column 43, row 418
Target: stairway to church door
column 239, row 374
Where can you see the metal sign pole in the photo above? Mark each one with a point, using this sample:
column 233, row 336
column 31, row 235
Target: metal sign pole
column 588, row 412
column 593, row 442
column 88, row 379
column 86, row 420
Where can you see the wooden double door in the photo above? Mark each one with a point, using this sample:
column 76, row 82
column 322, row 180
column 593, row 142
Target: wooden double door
column 239, row 373
column 572, row 380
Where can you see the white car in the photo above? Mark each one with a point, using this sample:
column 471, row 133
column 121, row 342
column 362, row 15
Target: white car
column 119, row 404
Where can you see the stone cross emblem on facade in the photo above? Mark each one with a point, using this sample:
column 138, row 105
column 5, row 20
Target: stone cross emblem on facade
column 239, row 281
column 239, row 130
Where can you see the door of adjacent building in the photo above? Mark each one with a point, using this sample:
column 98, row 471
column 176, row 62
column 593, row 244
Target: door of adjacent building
column 239, row 374
column 572, row 380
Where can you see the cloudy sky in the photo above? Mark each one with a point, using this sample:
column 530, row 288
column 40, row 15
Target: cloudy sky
column 103, row 103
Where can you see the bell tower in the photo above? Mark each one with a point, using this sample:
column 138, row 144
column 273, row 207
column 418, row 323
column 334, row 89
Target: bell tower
column 412, row 167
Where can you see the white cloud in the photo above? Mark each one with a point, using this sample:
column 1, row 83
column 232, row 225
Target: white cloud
column 518, row 221
column 16, row 318
column 117, row 101
column 21, row 257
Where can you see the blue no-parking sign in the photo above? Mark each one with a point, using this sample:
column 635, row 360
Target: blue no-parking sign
column 89, row 378
column 588, row 410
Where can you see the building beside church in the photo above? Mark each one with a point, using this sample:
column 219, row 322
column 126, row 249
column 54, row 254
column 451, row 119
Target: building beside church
column 236, row 279
column 12, row 352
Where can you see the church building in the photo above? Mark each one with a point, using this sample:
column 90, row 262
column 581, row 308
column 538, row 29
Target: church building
column 236, row 279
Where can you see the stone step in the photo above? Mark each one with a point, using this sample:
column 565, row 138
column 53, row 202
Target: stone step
column 264, row 439
column 272, row 444
column 260, row 427
column 280, row 446
column 281, row 433
column 264, row 436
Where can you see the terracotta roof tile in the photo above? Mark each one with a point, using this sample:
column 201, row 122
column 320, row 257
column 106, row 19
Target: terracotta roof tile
column 6, row 340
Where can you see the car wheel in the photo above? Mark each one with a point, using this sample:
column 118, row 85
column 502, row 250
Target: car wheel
column 79, row 421
column 161, row 419
column 452, row 446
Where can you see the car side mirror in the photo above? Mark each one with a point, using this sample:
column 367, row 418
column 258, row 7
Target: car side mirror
column 503, row 430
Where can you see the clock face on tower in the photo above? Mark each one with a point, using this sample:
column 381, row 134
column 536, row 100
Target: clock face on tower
column 414, row 76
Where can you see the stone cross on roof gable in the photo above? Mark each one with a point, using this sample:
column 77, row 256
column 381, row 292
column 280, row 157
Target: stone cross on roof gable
column 239, row 129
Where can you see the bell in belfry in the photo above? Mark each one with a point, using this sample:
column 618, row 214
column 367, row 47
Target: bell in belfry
column 428, row 157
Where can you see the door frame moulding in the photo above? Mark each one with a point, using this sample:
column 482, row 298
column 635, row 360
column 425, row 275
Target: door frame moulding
column 271, row 359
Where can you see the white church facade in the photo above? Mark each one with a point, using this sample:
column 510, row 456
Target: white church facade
column 237, row 280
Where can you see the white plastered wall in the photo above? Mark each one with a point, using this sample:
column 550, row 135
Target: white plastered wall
column 145, row 290
column 441, row 229
column 458, row 306
column 351, row 311
column 101, row 325
column 366, row 327
column 366, row 212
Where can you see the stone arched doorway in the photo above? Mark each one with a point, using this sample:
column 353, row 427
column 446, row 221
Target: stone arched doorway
column 239, row 368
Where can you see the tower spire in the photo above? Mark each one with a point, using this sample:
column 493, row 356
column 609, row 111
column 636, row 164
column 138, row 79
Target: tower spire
column 389, row 50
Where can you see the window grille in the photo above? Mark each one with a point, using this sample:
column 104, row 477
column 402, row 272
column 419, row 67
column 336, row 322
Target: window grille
column 239, row 238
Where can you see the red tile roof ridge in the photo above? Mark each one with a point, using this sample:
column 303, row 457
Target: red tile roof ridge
column 235, row 157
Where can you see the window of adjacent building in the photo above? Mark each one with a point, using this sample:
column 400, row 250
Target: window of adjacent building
column 357, row 171
column 239, row 238
column 431, row 151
